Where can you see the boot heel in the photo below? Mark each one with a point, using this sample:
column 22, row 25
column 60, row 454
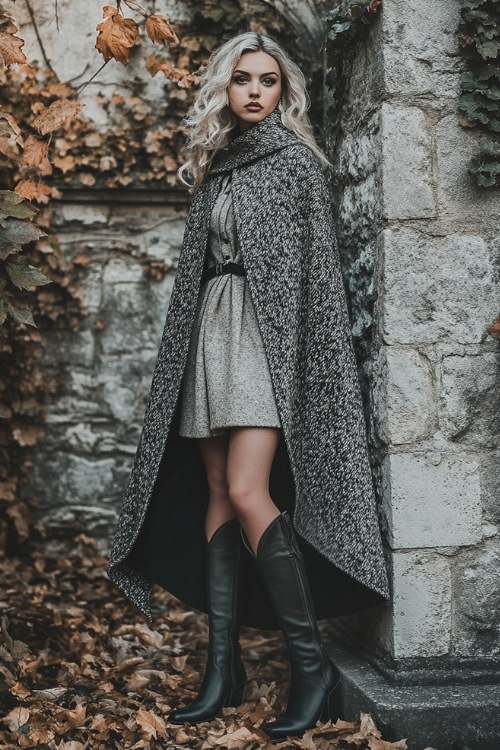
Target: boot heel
column 332, row 705
column 236, row 697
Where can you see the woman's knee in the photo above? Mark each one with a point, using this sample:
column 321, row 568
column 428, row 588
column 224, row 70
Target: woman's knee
column 217, row 483
column 241, row 496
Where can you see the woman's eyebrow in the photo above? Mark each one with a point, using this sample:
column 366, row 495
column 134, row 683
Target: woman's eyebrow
column 272, row 73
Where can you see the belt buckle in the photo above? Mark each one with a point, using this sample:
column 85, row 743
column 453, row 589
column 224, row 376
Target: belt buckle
column 219, row 269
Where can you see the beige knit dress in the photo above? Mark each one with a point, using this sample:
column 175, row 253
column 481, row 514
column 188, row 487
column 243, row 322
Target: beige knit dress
column 227, row 382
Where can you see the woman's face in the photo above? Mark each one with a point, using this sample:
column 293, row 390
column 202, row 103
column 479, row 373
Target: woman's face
column 255, row 88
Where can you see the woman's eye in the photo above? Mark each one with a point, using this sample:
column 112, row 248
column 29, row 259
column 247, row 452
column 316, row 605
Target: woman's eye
column 240, row 79
column 269, row 81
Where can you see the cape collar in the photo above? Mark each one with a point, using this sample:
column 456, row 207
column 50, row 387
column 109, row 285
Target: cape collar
column 263, row 138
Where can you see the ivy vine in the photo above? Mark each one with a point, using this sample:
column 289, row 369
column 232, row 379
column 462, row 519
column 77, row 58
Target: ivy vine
column 346, row 24
column 479, row 102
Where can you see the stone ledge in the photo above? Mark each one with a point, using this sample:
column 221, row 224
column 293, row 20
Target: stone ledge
column 436, row 716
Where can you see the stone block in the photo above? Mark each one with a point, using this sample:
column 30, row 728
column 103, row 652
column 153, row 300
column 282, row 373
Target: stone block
column 117, row 270
column 74, row 349
column 447, row 716
column 490, row 484
column 93, row 290
column 124, row 383
column 406, row 163
column 404, row 398
column 164, row 241
column 421, row 604
column 161, row 292
column 84, row 214
column 93, row 520
column 436, row 288
column 459, row 198
column 435, row 500
column 421, row 47
column 470, row 399
column 61, row 479
column 130, row 318
column 476, row 590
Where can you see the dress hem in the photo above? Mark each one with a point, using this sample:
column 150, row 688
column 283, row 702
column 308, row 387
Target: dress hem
column 216, row 431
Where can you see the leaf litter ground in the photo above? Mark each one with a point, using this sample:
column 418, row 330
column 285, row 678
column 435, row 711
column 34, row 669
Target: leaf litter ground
column 81, row 668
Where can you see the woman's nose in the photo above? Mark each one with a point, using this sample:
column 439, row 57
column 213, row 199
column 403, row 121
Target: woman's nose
column 255, row 88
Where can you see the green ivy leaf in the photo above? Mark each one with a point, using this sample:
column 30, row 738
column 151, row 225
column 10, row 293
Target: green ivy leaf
column 23, row 275
column 488, row 49
column 12, row 204
column 485, row 181
column 21, row 313
column 15, row 233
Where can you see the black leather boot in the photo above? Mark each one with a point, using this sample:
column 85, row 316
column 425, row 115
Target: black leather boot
column 224, row 680
column 315, row 687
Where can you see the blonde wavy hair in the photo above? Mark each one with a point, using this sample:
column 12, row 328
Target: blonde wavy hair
column 211, row 122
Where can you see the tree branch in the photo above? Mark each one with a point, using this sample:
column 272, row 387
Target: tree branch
column 35, row 26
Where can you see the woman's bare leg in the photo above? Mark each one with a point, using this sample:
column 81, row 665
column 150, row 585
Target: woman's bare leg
column 214, row 453
column 249, row 460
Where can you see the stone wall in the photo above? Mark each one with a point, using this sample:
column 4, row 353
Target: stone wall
column 81, row 468
column 421, row 246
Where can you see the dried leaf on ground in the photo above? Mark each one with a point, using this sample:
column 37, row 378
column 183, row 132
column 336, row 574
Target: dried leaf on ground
column 85, row 671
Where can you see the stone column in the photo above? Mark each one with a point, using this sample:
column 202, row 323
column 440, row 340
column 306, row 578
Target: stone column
column 421, row 247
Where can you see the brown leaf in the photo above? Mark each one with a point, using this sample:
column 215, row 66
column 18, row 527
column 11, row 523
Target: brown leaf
column 87, row 179
column 375, row 743
column 64, row 163
column 494, row 329
column 34, row 191
column 19, row 690
column 159, row 30
column 10, row 45
column 55, row 114
column 117, row 35
column 151, row 724
column 35, row 155
column 27, row 434
column 19, row 513
column 80, row 259
column 16, row 718
column 184, row 78
column 77, row 717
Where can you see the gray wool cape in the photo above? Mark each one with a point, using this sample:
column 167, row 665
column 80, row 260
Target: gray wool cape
column 321, row 473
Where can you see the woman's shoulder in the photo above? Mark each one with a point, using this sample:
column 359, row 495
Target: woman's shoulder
column 299, row 154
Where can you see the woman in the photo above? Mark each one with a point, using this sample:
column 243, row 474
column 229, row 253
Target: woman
column 254, row 427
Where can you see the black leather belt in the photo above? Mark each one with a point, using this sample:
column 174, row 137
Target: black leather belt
column 221, row 268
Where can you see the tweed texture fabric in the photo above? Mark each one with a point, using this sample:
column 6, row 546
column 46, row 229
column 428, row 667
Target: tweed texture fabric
column 227, row 382
column 285, row 229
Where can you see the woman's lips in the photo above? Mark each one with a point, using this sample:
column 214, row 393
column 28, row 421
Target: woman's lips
column 253, row 106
